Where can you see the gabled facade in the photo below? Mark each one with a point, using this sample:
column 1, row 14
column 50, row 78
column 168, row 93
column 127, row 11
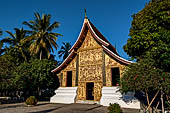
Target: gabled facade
column 93, row 63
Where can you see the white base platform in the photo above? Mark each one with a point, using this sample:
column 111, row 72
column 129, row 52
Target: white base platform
column 112, row 95
column 65, row 95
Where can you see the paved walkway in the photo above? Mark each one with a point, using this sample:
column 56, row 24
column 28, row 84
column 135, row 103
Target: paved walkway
column 46, row 107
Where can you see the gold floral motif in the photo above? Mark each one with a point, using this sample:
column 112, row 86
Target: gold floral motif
column 91, row 73
column 89, row 41
column 81, row 91
column 91, row 57
column 110, row 63
column 64, row 79
column 97, row 90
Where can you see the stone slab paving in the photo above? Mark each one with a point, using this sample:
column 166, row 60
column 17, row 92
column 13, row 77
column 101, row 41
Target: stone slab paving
column 46, row 107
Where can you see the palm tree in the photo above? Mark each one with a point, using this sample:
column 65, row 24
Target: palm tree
column 64, row 50
column 42, row 38
column 15, row 40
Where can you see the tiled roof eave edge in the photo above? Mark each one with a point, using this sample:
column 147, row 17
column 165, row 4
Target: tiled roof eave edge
column 98, row 38
column 61, row 65
column 117, row 57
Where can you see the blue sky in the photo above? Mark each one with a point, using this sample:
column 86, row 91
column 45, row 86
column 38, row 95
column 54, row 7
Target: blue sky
column 111, row 17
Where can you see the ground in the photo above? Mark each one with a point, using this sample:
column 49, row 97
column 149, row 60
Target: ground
column 46, row 107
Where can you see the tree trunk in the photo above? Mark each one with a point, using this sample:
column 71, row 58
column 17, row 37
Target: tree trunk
column 41, row 55
column 152, row 100
column 162, row 102
column 156, row 109
column 147, row 97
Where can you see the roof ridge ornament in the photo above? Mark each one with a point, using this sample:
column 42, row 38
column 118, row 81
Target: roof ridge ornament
column 85, row 12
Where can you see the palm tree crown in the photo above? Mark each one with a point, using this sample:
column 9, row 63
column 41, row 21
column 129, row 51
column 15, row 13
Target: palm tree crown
column 15, row 40
column 64, row 50
column 42, row 38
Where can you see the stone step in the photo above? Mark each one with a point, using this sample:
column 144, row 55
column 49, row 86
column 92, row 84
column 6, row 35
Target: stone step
column 112, row 95
column 64, row 95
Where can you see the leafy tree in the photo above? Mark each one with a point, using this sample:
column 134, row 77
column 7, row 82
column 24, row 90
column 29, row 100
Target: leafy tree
column 42, row 38
column 6, row 73
column 35, row 75
column 144, row 76
column 150, row 33
column 150, row 37
column 64, row 51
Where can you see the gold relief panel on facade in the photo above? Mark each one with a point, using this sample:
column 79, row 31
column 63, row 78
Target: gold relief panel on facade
column 108, row 77
column 89, row 41
column 98, row 90
column 90, row 57
column 64, row 79
column 71, row 65
column 90, row 73
column 81, row 91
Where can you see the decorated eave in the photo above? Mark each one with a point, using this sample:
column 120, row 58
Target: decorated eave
column 107, row 47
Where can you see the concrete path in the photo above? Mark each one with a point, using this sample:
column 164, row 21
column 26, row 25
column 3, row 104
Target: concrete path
column 46, row 107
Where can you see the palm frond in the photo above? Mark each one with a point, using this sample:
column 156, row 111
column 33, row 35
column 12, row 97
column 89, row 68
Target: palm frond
column 10, row 34
column 18, row 34
column 53, row 43
column 37, row 15
column 53, row 26
column 60, row 52
column 29, row 25
column 7, row 40
column 52, row 37
column 30, row 32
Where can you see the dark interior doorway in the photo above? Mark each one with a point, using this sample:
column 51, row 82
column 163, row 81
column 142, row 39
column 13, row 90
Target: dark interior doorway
column 69, row 79
column 90, row 91
column 115, row 76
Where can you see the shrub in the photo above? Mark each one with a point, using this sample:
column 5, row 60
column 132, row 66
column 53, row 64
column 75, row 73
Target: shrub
column 114, row 108
column 31, row 100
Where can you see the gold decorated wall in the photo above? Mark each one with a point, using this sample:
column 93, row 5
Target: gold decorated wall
column 93, row 65
column 90, row 67
column 111, row 63
column 63, row 74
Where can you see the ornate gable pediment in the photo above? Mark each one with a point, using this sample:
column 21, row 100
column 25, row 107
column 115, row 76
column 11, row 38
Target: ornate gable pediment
column 90, row 38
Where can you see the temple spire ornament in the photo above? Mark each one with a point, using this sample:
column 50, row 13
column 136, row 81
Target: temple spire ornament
column 85, row 12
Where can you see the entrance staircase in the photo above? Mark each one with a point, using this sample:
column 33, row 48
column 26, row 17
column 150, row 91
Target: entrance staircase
column 112, row 95
column 65, row 95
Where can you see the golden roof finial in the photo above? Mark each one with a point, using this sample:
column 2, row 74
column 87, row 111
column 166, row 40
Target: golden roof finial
column 85, row 12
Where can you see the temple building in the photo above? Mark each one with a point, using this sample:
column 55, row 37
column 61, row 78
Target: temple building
column 91, row 72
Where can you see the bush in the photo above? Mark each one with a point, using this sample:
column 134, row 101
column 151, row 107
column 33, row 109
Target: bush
column 31, row 100
column 114, row 108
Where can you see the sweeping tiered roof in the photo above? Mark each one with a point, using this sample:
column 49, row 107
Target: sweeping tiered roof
column 100, row 39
